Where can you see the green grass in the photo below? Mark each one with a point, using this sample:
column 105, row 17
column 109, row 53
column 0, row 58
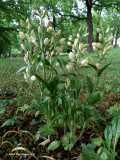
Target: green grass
column 8, row 62
column 8, row 70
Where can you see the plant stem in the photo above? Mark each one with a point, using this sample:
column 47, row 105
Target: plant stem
column 96, row 83
column 83, row 129
column 44, row 71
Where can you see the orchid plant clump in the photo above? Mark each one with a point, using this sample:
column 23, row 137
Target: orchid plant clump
column 57, row 83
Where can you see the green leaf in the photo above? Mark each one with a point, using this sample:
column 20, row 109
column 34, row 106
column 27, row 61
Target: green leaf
column 68, row 141
column 43, row 81
column 90, row 85
column 108, row 135
column 93, row 98
column 116, row 130
column 60, row 62
column 104, row 156
column 56, row 117
column 11, row 122
column 97, row 141
column 86, row 112
column 37, row 113
column 38, row 106
column 93, row 66
column 54, row 145
column 47, row 62
column 89, row 153
column 8, row 122
column 53, row 84
column 21, row 69
column 46, row 130
column 2, row 110
column 101, row 70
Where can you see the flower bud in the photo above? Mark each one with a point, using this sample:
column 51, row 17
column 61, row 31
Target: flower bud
column 59, row 49
column 99, row 45
column 52, row 53
column 107, row 31
column 78, row 36
column 27, row 20
column 27, row 69
column 33, row 78
column 59, row 33
column 94, row 44
column 35, row 20
column 29, row 26
column 86, row 35
column 70, row 38
column 44, row 12
column 81, row 46
column 71, row 55
column 22, row 35
column 31, row 39
column 98, row 30
column 46, row 41
column 69, row 43
column 95, row 49
column 35, row 7
column 70, row 67
column 23, row 46
column 73, row 47
column 98, row 65
column 35, row 43
column 76, row 42
column 84, row 62
column 104, row 51
column 25, row 77
column 110, row 47
column 41, row 64
column 49, row 29
column 34, row 12
column 92, row 60
column 47, row 55
column 57, row 64
column 84, row 51
column 86, row 45
column 22, row 23
column 27, row 55
column 62, row 40
column 48, row 23
column 110, row 39
column 39, row 30
column 101, row 37
column 52, row 41
column 32, row 32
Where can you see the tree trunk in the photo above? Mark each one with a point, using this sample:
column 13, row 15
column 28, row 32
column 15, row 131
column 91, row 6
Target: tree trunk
column 113, row 33
column 89, row 25
column 54, row 21
column 10, row 51
column 116, row 38
column 98, row 23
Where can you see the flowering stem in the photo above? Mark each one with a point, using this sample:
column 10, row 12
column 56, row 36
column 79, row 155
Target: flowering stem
column 96, row 83
column 83, row 129
column 44, row 72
